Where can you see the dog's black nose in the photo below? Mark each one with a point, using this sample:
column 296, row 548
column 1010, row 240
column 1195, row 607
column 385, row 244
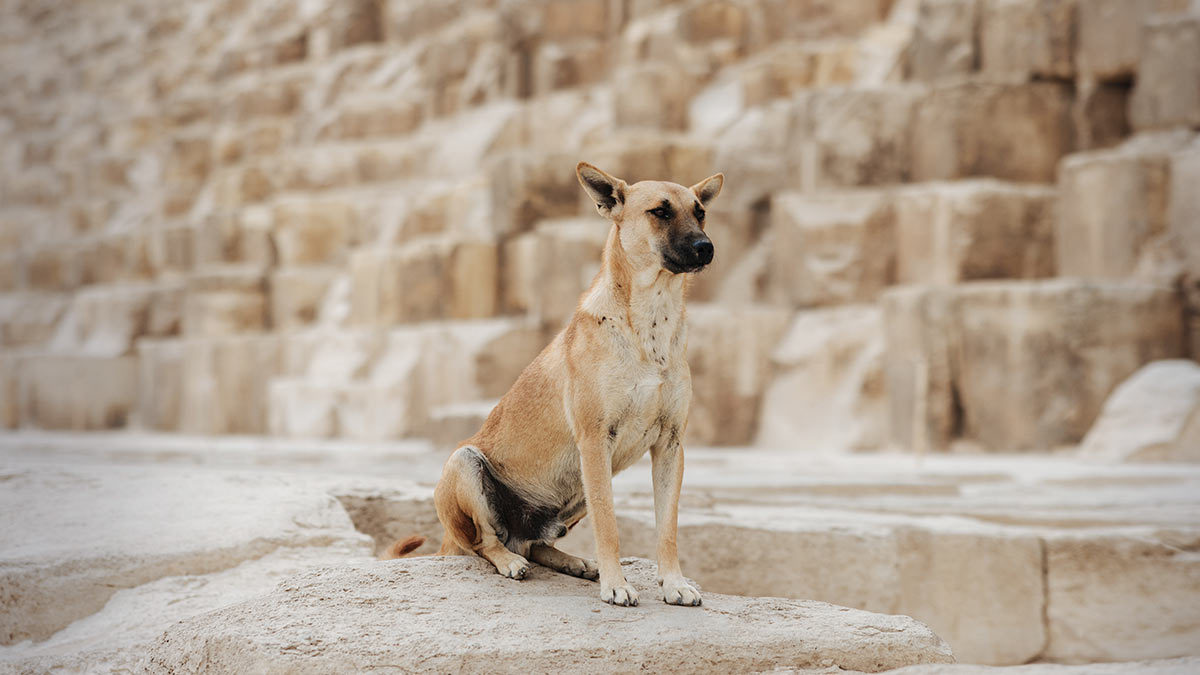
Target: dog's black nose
column 703, row 249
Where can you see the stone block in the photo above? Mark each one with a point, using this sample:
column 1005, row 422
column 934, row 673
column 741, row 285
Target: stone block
column 106, row 320
column 827, row 393
column 1122, row 598
column 226, row 382
column 653, row 96
column 1023, row 345
column 1109, row 41
column 729, row 351
column 312, row 231
column 1144, row 418
column 61, row 391
column 10, row 409
column 373, row 118
column 1183, row 206
column 918, row 326
column 944, row 42
column 978, row 229
column 298, row 408
column 563, row 65
column 1011, row 131
column 425, row 279
column 1101, row 114
column 830, row 248
column 853, row 137
column 450, row 425
column 1111, row 204
column 528, row 186
column 749, row 153
column 30, row 319
column 547, row 269
column 216, row 313
column 1027, row 39
column 160, row 384
column 297, row 295
column 1166, row 92
column 645, row 155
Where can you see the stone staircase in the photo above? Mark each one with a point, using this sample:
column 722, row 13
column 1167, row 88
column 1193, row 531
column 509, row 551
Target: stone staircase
column 360, row 219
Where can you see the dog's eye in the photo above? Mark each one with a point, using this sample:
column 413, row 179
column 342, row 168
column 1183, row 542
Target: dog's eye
column 700, row 216
column 660, row 212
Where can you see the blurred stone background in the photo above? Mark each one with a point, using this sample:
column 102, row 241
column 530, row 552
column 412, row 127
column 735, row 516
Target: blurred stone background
column 946, row 222
column 272, row 248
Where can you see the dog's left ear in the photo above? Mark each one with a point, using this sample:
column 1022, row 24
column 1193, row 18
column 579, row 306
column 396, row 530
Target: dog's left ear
column 708, row 189
column 607, row 191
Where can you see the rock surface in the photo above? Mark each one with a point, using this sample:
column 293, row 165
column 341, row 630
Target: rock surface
column 1146, row 416
column 439, row 614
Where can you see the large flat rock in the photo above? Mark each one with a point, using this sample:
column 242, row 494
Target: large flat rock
column 456, row 614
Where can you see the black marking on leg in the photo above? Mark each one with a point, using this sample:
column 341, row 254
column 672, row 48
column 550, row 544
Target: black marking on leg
column 515, row 519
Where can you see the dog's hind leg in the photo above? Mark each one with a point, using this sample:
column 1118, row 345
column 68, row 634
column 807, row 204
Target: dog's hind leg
column 468, row 519
column 560, row 561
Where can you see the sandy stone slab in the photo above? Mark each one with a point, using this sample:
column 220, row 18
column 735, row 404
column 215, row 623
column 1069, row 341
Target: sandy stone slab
column 456, row 614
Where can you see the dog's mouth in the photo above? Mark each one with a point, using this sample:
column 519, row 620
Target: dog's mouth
column 676, row 267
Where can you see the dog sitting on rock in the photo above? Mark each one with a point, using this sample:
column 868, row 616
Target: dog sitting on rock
column 612, row 385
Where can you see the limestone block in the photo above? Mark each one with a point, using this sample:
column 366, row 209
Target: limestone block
column 917, row 326
column 830, row 248
column 944, row 42
column 1183, row 208
column 546, row 270
column 563, row 65
column 729, row 351
column 1121, row 598
column 55, row 267
column 1144, row 418
column 425, row 279
column 450, row 425
column 216, row 313
column 28, row 319
column 1027, row 38
column 1011, row 131
column 61, row 391
column 226, row 382
column 749, row 153
column 813, row 20
column 852, row 137
column 160, row 383
column 312, row 231
column 297, row 294
column 826, row 392
column 370, row 411
column 528, row 186
column 978, row 229
column 346, row 24
column 12, row 271
column 301, row 409
column 717, row 20
column 797, row 634
column 10, row 409
column 1023, row 345
column 1101, row 114
column 373, row 117
column 1111, row 203
column 1110, row 36
column 1166, row 92
column 646, row 155
column 654, row 96
column 106, row 320
column 110, row 258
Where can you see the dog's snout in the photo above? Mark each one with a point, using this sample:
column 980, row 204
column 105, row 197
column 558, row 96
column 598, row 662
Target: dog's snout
column 703, row 250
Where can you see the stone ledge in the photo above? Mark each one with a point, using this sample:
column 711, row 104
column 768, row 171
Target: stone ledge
column 451, row 613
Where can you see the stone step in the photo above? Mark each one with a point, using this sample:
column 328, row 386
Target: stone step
column 997, row 363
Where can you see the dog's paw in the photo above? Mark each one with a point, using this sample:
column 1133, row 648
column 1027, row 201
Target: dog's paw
column 621, row 594
column 680, row 592
column 516, row 568
column 584, row 569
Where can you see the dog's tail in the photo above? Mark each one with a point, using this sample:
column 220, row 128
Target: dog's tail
column 403, row 547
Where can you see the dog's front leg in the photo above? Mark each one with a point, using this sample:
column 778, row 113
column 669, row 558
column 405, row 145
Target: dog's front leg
column 667, row 474
column 596, row 466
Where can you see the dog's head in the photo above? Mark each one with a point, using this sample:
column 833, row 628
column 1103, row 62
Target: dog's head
column 661, row 224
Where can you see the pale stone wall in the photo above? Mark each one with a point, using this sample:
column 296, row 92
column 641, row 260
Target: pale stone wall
column 360, row 218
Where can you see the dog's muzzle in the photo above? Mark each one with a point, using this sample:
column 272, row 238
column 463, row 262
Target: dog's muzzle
column 689, row 256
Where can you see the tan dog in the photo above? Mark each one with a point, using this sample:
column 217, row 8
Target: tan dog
column 614, row 384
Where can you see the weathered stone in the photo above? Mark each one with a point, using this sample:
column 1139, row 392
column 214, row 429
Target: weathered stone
column 1011, row 131
column 450, row 425
column 1091, row 586
column 59, row 391
column 1111, row 204
column 944, row 43
column 425, row 279
column 729, row 352
column 653, row 96
column 917, row 325
column 830, row 248
column 1110, row 35
column 641, row 155
column 1023, row 346
column 850, row 137
column 561, row 65
column 28, row 319
column 223, row 313
column 1167, row 89
column 980, row 229
column 225, row 383
column 297, row 295
column 748, row 152
column 1145, row 416
column 526, row 187
column 1100, row 115
column 1027, row 38
column 160, row 383
column 827, row 390
column 546, row 270
column 312, row 231
column 796, row 633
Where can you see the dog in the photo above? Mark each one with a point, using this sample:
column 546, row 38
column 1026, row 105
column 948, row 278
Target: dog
column 611, row 386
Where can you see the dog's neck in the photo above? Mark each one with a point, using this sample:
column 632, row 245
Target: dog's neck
column 650, row 301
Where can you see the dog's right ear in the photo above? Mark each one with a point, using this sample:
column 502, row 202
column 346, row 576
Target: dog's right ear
column 607, row 191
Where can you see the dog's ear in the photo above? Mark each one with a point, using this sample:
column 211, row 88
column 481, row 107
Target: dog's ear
column 708, row 189
column 607, row 191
